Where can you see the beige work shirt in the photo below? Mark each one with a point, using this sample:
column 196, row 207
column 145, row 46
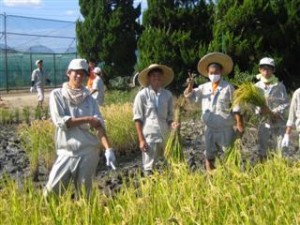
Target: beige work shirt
column 276, row 97
column 294, row 114
column 216, row 108
column 155, row 111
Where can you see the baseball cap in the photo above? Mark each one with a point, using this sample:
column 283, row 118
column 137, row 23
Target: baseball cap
column 78, row 64
column 97, row 70
column 267, row 61
column 38, row 61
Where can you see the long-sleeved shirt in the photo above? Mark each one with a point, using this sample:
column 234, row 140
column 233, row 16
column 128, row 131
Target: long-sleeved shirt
column 155, row 111
column 276, row 97
column 294, row 114
column 217, row 112
column 75, row 140
column 39, row 77
column 99, row 86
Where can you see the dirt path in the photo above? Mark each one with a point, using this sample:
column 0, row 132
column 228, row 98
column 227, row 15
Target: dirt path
column 21, row 99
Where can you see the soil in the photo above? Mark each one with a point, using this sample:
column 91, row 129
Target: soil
column 21, row 99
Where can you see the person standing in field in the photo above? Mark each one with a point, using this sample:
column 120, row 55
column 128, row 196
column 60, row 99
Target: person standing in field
column 272, row 121
column 97, row 91
column 91, row 74
column 293, row 119
column 38, row 80
column 79, row 131
column 216, row 97
column 153, row 113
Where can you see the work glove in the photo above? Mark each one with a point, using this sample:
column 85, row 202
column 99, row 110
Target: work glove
column 110, row 158
column 285, row 140
column 31, row 89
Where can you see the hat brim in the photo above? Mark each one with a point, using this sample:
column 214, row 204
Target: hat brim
column 167, row 78
column 215, row 57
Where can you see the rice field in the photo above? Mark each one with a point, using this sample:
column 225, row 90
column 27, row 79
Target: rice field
column 268, row 193
column 265, row 193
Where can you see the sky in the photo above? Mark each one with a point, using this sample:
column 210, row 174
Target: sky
column 67, row 10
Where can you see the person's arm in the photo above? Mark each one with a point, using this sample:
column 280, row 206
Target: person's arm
column 138, row 117
column 142, row 141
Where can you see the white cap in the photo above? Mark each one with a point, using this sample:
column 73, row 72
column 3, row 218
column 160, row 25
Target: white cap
column 267, row 61
column 78, row 64
column 97, row 70
column 38, row 61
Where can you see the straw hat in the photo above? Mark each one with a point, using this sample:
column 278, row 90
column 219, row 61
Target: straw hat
column 167, row 78
column 215, row 57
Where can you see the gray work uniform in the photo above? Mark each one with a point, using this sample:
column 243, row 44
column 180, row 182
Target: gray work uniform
column 155, row 111
column 77, row 148
column 217, row 115
column 39, row 77
column 268, row 130
column 294, row 113
column 99, row 86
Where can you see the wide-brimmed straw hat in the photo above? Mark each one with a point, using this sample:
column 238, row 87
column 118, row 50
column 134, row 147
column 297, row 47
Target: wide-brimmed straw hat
column 215, row 57
column 167, row 77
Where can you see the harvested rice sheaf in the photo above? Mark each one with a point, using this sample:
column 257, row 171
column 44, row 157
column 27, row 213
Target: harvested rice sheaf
column 173, row 149
column 248, row 94
column 233, row 154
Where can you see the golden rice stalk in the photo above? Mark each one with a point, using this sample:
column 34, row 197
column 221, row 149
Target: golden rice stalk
column 233, row 154
column 248, row 94
column 173, row 148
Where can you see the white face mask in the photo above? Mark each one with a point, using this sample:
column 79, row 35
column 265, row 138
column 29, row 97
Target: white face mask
column 214, row 77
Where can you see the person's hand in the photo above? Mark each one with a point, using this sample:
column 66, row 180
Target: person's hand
column 143, row 146
column 175, row 125
column 266, row 111
column 239, row 130
column 110, row 158
column 285, row 140
column 31, row 89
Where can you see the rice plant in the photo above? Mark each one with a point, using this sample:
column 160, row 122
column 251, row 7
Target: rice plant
column 247, row 94
column 268, row 193
column 120, row 127
column 38, row 141
column 173, row 149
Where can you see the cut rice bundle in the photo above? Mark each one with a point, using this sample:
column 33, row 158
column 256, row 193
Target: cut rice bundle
column 173, row 149
column 233, row 155
column 248, row 94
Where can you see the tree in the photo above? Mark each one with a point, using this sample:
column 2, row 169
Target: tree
column 109, row 34
column 251, row 29
column 176, row 33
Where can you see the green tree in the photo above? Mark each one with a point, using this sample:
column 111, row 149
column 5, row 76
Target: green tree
column 109, row 34
column 176, row 33
column 251, row 29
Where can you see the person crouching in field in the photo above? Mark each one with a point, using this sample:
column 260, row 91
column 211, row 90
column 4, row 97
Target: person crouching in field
column 272, row 126
column 153, row 113
column 76, row 115
column 97, row 91
column 216, row 99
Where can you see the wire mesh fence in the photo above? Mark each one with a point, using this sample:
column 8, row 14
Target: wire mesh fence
column 23, row 40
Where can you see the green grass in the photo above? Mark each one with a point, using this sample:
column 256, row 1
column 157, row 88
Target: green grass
column 268, row 193
column 119, row 97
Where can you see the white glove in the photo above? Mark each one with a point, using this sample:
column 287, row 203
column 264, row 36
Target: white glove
column 110, row 158
column 285, row 140
column 31, row 89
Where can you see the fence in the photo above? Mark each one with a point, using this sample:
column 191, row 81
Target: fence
column 23, row 40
